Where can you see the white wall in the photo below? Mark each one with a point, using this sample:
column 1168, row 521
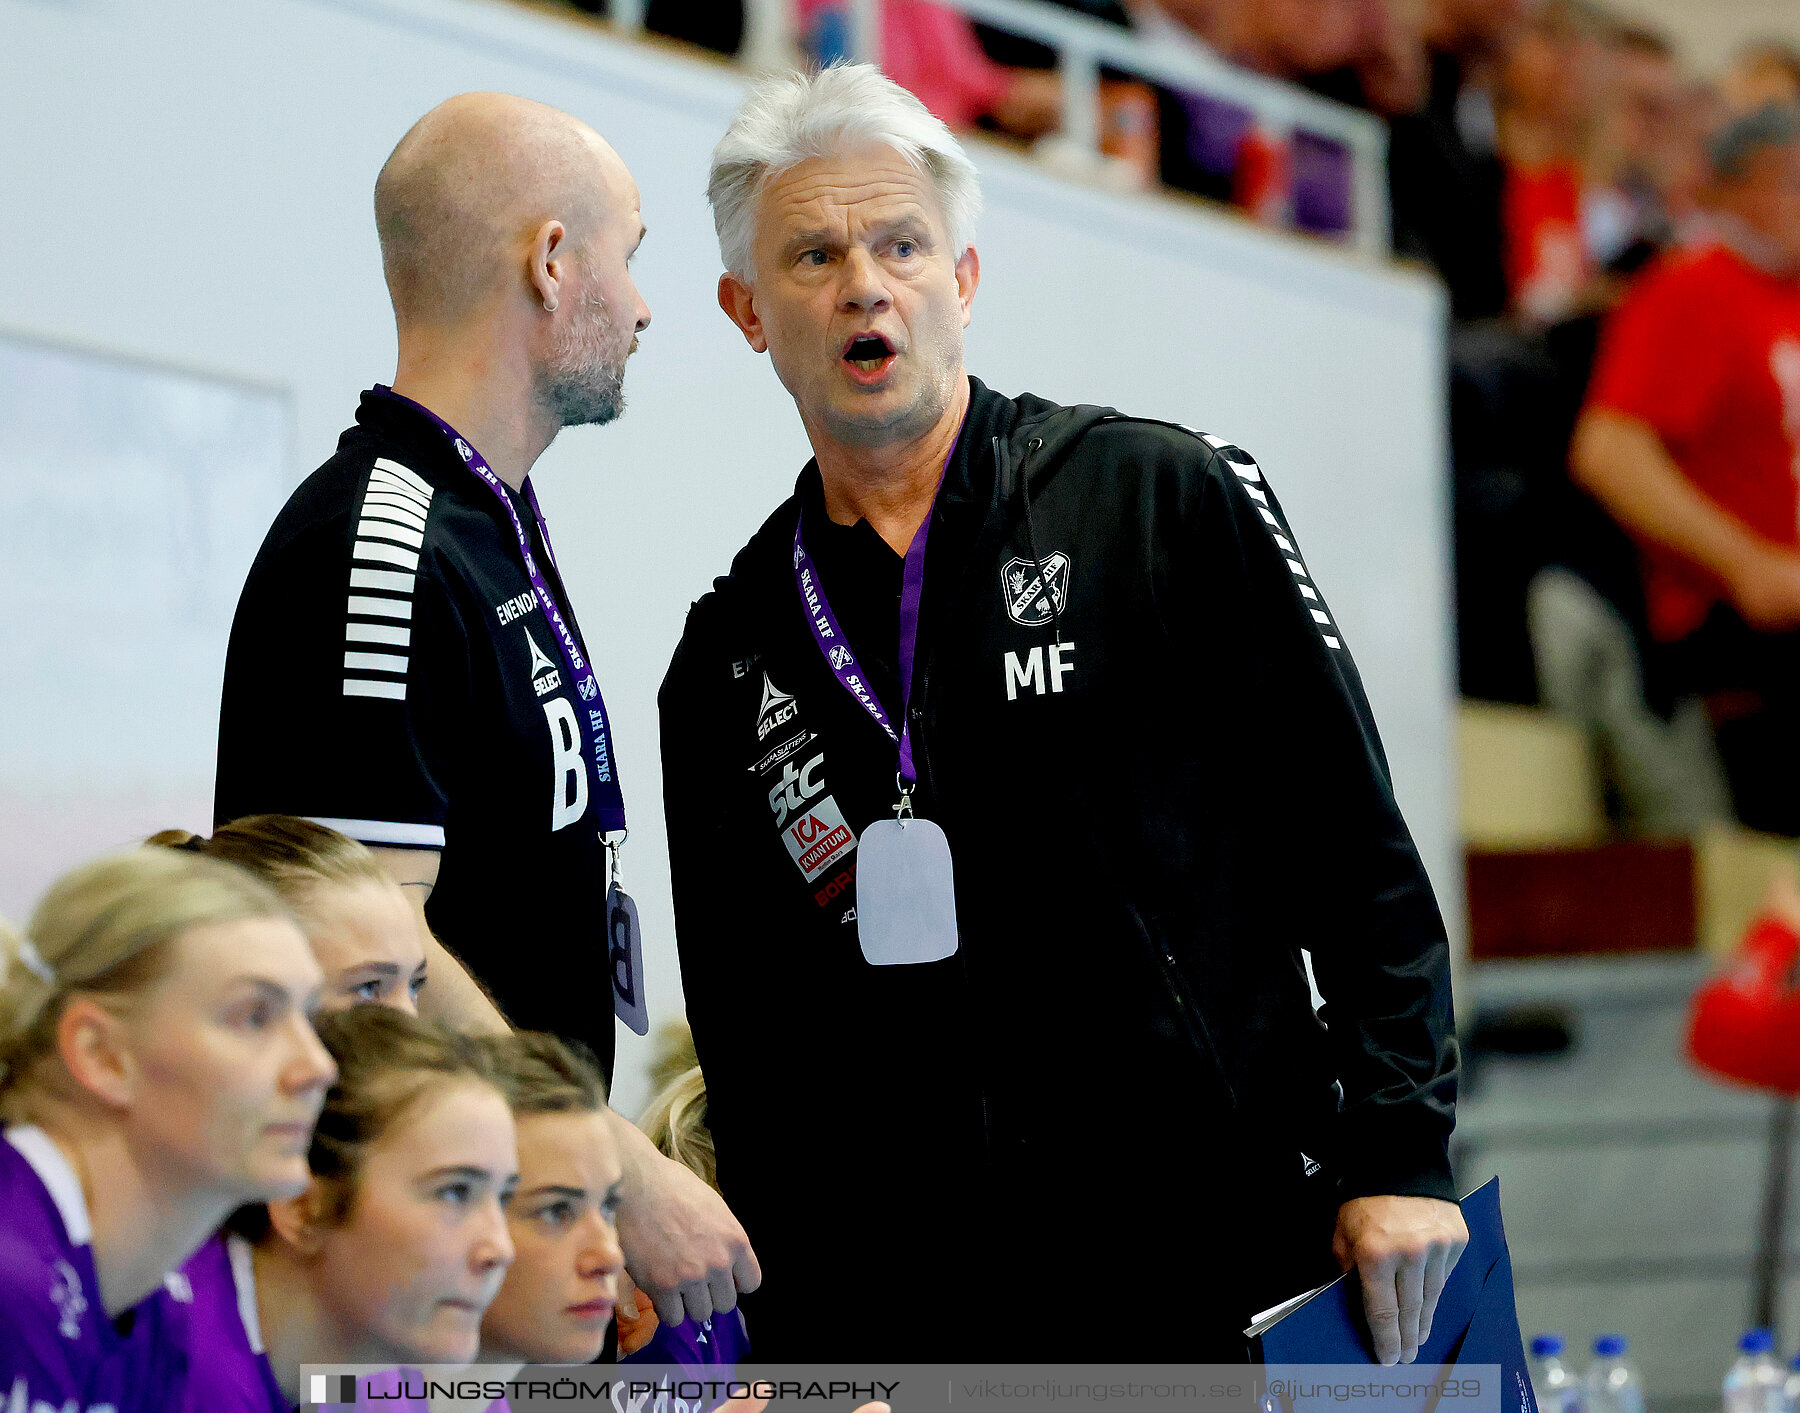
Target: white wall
column 190, row 183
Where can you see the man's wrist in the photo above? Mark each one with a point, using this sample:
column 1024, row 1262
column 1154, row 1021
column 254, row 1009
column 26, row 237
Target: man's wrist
column 638, row 1156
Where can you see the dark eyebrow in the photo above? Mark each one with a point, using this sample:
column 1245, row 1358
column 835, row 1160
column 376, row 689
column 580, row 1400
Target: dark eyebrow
column 555, row 1189
column 462, row 1170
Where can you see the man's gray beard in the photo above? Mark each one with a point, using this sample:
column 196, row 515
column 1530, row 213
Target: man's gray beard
column 578, row 385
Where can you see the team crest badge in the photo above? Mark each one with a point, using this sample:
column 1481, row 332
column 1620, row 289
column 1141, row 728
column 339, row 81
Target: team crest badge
column 1035, row 594
column 65, row 1294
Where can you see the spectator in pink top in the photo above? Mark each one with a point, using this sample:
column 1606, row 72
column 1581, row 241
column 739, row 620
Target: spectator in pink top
column 932, row 51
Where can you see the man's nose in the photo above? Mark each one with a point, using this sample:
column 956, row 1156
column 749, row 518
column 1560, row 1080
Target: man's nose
column 863, row 284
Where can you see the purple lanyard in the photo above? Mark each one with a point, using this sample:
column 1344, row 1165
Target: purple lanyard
column 597, row 738
column 836, row 649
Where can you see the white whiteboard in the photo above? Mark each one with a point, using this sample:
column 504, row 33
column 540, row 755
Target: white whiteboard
column 132, row 499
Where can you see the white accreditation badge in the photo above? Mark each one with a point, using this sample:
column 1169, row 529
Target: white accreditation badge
column 905, row 893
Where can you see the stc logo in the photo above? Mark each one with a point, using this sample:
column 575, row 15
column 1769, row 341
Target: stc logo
column 794, row 789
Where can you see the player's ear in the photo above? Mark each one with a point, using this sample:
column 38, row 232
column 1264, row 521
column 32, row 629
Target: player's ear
column 738, row 300
column 547, row 264
column 300, row 1221
column 95, row 1049
column 968, row 279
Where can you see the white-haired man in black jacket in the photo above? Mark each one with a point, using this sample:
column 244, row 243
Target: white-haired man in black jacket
column 1008, row 773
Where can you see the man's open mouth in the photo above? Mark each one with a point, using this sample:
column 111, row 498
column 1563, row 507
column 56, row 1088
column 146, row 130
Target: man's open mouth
column 867, row 352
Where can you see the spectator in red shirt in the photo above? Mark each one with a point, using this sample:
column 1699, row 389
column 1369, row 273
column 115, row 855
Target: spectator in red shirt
column 1691, row 439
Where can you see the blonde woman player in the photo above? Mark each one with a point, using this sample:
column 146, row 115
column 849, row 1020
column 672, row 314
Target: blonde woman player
column 360, row 924
column 157, row 1070
column 395, row 1247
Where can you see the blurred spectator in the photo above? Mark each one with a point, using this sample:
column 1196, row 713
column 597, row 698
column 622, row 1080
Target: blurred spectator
column 1216, row 148
column 1763, row 75
column 1690, row 438
column 1444, row 171
column 1551, row 88
column 1636, row 158
column 931, row 50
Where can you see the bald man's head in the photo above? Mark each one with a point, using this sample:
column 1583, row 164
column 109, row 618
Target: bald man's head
column 460, row 198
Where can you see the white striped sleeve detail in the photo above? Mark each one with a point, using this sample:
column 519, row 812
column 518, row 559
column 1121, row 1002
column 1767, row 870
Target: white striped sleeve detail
column 382, row 579
column 375, row 662
column 374, row 687
column 388, row 530
column 412, row 478
column 378, row 633
column 1248, row 473
column 391, row 505
column 376, row 552
column 382, row 831
column 381, row 608
column 398, row 492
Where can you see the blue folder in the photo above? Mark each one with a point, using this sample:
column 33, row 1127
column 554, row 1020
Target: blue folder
column 1476, row 1321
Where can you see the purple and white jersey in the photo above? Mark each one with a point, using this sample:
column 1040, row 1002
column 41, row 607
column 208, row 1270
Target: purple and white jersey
column 230, row 1372
column 58, row 1351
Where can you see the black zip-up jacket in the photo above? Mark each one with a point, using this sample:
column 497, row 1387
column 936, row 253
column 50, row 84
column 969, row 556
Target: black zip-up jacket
column 1137, row 722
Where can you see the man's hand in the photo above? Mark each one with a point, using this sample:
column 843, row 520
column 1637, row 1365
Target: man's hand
column 683, row 1248
column 1403, row 1249
column 1765, row 589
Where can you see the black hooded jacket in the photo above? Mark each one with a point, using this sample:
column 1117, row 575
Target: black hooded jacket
column 1137, row 723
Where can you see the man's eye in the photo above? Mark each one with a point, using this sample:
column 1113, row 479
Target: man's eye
column 813, row 257
column 905, row 249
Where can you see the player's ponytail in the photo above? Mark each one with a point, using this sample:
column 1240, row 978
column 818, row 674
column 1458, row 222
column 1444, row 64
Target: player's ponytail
column 105, row 930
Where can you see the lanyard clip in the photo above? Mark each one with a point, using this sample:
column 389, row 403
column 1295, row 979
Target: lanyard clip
column 904, row 809
column 613, row 846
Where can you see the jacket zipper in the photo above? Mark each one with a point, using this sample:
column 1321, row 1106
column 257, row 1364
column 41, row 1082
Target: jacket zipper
column 927, row 781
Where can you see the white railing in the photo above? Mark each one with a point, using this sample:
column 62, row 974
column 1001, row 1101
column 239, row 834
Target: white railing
column 1085, row 46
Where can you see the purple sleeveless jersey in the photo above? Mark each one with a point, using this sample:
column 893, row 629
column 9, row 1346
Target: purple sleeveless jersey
column 57, row 1348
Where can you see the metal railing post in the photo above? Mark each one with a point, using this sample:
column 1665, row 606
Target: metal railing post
column 865, row 31
column 1080, row 68
column 627, row 15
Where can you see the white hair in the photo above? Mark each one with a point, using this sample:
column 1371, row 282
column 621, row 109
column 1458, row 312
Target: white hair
column 791, row 117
